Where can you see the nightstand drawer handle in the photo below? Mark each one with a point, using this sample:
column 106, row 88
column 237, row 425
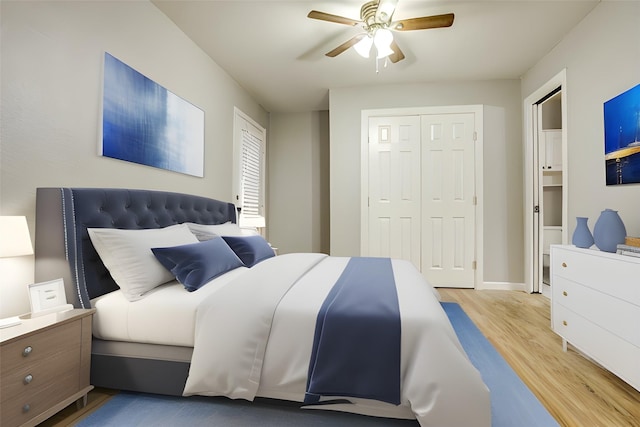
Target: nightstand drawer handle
column 564, row 322
column 28, row 379
column 27, row 351
column 564, row 264
column 26, row 408
column 565, row 293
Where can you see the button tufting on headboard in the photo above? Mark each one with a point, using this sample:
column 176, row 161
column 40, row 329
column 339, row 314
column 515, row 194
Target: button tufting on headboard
column 83, row 208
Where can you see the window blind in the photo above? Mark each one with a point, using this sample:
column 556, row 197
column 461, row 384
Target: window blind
column 250, row 185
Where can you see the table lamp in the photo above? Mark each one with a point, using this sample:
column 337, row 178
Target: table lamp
column 14, row 242
column 254, row 223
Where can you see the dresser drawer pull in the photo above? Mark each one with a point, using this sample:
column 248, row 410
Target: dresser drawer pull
column 26, row 408
column 27, row 351
column 565, row 293
column 564, row 322
column 28, row 379
column 564, row 264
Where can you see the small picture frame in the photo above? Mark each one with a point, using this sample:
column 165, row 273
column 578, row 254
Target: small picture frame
column 47, row 296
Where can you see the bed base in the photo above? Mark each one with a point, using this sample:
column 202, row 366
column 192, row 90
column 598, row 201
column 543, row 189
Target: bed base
column 145, row 368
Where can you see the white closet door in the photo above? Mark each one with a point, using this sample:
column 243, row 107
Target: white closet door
column 394, row 188
column 448, row 199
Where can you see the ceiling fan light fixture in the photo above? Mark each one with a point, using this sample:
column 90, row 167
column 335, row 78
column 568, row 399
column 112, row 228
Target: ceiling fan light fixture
column 376, row 18
column 382, row 40
column 363, row 47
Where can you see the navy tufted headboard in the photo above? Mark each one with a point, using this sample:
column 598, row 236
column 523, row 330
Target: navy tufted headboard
column 63, row 248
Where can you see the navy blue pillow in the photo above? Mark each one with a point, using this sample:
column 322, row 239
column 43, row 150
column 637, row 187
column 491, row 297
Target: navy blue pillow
column 250, row 249
column 195, row 264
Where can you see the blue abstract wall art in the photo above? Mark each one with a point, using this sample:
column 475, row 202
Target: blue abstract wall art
column 622, row 138
column 142, row 122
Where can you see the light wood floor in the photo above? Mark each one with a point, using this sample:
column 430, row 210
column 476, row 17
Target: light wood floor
column 574, row 390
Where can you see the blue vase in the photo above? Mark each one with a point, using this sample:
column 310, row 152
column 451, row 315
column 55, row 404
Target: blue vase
column 609, row 231
column 582, row 236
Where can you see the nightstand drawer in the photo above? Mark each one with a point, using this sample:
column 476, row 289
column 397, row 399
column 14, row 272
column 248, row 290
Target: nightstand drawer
column 28, row 379
column 41, row 350
column 20, row 408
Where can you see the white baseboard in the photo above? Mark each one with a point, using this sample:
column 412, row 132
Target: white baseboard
column 501, row 286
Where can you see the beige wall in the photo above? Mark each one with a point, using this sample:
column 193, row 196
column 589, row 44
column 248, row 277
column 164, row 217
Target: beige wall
column 52, row 60
column 602, row 59
column 503, row 180
column 298, row 171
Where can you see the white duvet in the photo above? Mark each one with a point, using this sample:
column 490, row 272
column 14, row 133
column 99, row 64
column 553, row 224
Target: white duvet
column 253, row 337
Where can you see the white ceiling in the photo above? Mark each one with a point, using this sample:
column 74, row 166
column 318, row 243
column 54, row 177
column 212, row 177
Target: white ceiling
column 276, row 53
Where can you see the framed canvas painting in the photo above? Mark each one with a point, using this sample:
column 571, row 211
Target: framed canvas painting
column 144, row 123
column 622, row 138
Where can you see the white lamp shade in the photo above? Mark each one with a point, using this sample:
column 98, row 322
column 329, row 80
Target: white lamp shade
column 363, row 47
column 252, row 221
column 14, row 237
column 383, row 39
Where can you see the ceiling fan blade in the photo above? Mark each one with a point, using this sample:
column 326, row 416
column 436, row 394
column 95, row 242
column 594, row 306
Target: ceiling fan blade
column 385, row 10
column 346, row 45
column 424, row 23
column 397, row 54
column 314, row 14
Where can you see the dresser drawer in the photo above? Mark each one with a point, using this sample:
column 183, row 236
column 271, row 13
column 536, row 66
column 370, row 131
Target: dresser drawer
column 617, row 355
column 611, row 274
column 612, row 314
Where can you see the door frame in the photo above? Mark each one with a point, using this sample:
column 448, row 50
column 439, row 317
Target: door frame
column 478, row 110
column 530, row 136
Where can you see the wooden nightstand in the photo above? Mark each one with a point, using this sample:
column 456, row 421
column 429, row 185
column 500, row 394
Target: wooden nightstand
column 44, row 366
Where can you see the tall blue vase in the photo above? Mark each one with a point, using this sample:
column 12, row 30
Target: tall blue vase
column 582, row 236
column 609, row 231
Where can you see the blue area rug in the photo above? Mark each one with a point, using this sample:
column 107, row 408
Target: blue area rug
column 512, row 403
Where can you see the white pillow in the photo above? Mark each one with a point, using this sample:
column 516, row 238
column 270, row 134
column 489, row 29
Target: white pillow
column 209, row 231
column 128, row 257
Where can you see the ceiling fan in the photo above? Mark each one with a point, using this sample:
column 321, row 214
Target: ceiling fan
column 376, row 20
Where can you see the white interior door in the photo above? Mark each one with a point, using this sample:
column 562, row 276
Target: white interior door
column 534, row 224
column 394, row 188
column 421, row 194
column 548, row 181
column 536, row 228
column 448, row 199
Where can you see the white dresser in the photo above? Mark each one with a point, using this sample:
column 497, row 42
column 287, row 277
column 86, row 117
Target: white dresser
column 595, row 306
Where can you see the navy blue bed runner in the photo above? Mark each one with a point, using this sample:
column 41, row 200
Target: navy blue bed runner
column 356, row 347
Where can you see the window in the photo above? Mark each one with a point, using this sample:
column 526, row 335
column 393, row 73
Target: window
column 249, row 176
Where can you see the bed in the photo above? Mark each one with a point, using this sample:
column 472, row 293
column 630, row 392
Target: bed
column 277, row 318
